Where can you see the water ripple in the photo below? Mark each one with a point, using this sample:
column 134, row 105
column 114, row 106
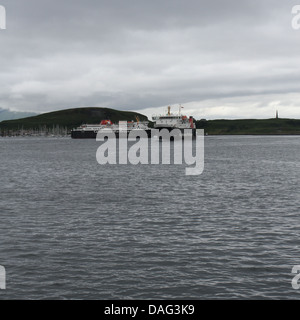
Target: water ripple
column 72, row 229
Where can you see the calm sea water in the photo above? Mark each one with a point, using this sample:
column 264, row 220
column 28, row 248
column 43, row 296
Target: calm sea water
column 73, row 229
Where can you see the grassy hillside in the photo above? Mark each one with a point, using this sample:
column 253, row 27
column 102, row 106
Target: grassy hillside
column 70, row 118
column 250, row 126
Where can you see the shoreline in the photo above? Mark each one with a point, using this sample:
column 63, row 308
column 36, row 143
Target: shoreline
column 205, row 135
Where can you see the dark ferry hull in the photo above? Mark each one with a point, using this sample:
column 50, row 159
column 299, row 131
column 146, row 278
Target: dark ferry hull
column 76, row 134
column 80, row 134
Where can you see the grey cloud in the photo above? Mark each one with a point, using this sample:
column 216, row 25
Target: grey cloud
column 142, row 54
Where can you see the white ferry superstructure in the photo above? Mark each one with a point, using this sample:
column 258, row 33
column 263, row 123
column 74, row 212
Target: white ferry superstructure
column 172, row 121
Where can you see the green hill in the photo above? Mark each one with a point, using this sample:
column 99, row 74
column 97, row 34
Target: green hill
column 250, row 127
column 65, row 120
column 69, row 119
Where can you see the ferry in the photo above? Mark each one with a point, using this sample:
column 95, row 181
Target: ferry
column 167, row 121
column 172, row 121
column 89, row 131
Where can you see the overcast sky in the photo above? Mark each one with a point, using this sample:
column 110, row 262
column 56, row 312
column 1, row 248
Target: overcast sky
column 218, row 58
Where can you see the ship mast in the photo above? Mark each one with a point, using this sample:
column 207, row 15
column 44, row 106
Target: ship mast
column 180, row 107
column 169, row 110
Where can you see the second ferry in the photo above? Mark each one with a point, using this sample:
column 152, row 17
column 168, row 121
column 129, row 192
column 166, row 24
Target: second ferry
column 172, row 121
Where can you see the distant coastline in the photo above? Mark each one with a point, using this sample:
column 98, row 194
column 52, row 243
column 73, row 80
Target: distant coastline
column 60, row 123
column 274, row 126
